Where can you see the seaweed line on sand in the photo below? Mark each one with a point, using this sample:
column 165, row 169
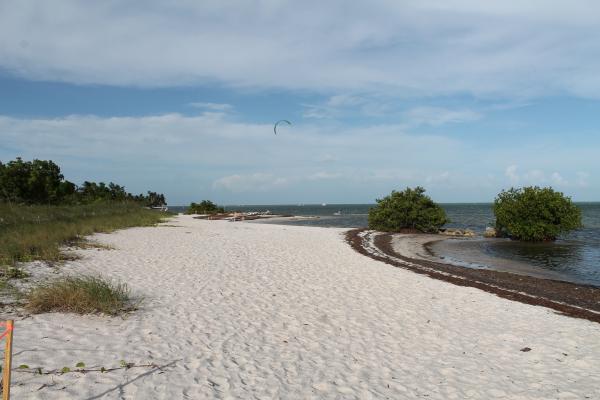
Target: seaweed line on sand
column 574, row 300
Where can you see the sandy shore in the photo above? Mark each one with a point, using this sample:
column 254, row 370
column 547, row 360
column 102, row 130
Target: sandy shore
column 239, row 310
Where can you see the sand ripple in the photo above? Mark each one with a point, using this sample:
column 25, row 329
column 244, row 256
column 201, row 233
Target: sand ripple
column 251, row 311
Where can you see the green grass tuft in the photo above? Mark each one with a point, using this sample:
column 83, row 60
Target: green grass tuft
column 81, row 295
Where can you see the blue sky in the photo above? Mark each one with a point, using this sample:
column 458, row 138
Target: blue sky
column 465, row 98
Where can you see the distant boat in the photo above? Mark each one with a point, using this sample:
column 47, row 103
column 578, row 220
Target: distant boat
column 323, row 204
column 338, row 212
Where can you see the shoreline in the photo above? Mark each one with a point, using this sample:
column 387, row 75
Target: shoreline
column 420, row 246
column 572, row 299
column 278, row 311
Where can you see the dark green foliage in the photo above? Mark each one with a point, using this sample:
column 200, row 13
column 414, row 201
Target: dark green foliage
column 535, row 214
column 40, row 182
column 410, row 210
column 205, row 207
column 34, row 181
column 154, row 199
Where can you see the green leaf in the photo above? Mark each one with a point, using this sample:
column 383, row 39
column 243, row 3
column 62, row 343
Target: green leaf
column 23, row 366
column 80, row 364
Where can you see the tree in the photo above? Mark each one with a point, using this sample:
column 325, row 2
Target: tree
column 40, row 182
column 32, row 182
column 205, row 207
column 408, row 210
column 155, row 199
column 535, row 214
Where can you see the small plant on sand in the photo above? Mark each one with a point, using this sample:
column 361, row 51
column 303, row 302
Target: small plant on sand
column 535, row 214
column 13, row 273
column 410, row 210
column 80, row 295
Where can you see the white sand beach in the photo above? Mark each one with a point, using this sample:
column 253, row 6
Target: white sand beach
column 262, row 311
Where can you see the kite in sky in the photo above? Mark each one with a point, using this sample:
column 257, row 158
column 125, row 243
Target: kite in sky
column 278, row 122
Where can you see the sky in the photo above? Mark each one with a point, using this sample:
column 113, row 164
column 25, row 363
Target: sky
column 463, row 97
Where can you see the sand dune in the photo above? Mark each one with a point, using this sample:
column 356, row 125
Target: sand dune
column 237, row 310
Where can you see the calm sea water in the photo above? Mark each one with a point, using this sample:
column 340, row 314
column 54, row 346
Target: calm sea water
column 574, row 257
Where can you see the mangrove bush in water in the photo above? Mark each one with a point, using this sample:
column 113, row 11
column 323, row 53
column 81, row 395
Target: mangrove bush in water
column 535, row 214
column 408, row 210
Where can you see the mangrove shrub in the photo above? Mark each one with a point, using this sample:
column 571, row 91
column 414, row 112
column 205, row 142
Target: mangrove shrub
column 535, row 214
column 407, row 210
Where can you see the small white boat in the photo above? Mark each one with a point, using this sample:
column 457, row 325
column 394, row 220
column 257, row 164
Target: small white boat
column 323, row 204
column 338, row 212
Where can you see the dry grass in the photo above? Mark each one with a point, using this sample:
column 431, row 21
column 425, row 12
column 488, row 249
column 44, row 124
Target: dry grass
column 81, row 295
column 36, row 232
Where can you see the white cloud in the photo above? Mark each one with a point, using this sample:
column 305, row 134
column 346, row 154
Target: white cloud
column 582, row 179
column 346, row 104
column 535, row 176
column 212, row 106
column 530, row 177
column 323, row 175
column 509, row 48
column 511, row 173
column 438, row 178
column 439, row 116
column 558, row 180
column 257, row 182
column 541, row 178
column 328, row 158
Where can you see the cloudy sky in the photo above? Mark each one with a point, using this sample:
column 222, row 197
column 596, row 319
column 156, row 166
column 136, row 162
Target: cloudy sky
column 463, row 97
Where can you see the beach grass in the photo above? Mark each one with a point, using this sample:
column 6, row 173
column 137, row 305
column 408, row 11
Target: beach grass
column 81, row 295
column 29, row 233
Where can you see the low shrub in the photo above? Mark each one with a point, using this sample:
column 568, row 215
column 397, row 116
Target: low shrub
column 81, row 295
column 408, row 210
column 535, row 214
column 205, row 207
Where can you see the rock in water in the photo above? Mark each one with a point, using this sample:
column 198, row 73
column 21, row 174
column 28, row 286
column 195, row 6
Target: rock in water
column 490, row 232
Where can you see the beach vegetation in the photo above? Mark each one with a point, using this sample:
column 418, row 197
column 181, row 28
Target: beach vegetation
column 204, row 207
column 535, row 214
column 41, row 182
column 40, row 211
column 409, row 210
column 81, row 295
column 36, row 232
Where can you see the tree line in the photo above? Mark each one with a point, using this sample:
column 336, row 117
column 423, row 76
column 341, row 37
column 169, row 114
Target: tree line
column 41, row 182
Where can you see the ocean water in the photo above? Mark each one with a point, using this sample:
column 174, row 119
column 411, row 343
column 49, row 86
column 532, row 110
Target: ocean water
column 574, row 257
